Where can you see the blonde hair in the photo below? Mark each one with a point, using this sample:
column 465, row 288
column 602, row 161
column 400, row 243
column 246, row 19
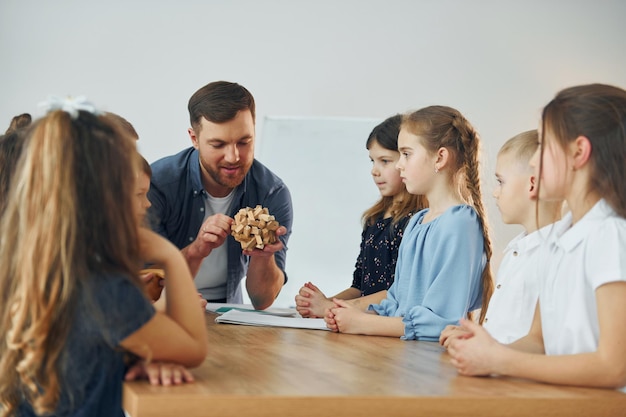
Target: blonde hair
column 441, row 126
column 522, row 146
column 68, row 216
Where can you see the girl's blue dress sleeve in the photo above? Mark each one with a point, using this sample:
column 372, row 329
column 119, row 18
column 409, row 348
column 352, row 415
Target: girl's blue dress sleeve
column 438, row 275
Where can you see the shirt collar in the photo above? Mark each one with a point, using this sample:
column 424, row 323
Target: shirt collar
column 525, row 242
column 569, row 236
column 514, row 243
column 194, row 174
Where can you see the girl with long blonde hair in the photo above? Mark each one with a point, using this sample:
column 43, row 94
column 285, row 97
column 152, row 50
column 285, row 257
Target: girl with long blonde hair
column 70, row 251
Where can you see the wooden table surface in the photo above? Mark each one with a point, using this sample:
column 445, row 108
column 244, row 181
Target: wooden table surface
column 268, row 371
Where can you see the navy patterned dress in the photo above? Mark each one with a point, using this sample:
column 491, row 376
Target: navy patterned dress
column 376, row 264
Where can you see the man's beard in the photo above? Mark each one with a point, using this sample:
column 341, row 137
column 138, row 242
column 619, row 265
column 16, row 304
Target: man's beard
column 227, row 181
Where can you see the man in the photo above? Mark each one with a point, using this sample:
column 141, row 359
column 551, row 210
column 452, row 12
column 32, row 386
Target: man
column 195, row 194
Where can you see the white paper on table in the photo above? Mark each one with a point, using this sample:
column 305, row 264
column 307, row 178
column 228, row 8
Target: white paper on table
column 276, row 311
column 260, row 319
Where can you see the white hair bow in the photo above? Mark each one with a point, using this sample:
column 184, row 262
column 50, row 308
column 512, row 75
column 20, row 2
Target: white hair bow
column 70, row 105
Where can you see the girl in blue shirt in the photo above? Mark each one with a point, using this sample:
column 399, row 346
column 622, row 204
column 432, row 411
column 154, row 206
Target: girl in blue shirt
column 442, row 272
column 72, row 306
column 384, row 225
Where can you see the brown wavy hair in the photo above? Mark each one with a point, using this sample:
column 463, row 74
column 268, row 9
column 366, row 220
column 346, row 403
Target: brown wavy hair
column 441, row 126
column 403, row 203
column 18, row 122
column 69, row 214
column 10, row 150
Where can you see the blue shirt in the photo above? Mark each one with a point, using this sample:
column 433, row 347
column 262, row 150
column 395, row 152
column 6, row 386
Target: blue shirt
column 110, row 308
column 177, row 212
column 438, row 273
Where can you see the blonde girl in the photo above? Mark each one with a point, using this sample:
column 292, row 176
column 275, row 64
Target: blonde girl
column 70, row 249
column 442, row 271
column 577, row 336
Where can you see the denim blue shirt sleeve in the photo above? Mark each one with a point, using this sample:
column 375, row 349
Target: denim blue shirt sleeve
column 438, row 273
column 177, row 211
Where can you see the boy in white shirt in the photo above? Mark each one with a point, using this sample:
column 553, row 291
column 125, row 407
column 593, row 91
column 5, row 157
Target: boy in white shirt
column 512, row 305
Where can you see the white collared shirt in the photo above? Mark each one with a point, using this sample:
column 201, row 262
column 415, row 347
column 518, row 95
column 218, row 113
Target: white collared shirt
column 576, row 261
column 512, row 304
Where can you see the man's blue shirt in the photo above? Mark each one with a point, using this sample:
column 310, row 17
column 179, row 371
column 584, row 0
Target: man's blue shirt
column 177, row 212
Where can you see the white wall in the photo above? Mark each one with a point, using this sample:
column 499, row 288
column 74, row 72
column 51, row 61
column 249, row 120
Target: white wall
column 497, row 61
column 330, row 165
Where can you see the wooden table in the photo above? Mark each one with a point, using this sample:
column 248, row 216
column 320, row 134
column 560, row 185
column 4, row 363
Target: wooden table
column 267, row 371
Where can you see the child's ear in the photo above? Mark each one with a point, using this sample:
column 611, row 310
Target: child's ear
column 582, row 151
column 442, row 158
column 532, row 187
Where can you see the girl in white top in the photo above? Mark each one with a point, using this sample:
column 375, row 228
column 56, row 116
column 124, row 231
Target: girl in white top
column 577, row 336
column 512, row 304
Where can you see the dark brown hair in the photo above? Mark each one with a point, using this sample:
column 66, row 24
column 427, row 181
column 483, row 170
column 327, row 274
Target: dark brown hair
column 18, row 122
column 400, row 206
column 11, row 146
column 219, row 102
column 597, row 112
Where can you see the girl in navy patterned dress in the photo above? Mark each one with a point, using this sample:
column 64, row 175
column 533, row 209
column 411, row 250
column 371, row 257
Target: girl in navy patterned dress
column 383, row 223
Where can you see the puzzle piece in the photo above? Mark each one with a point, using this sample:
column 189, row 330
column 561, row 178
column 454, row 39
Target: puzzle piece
column 254, row 228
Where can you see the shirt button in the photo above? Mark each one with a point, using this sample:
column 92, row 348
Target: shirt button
column 514, row 253
column 498, row 286
column 190, row 238
column 195, row 193
column 201, row 208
